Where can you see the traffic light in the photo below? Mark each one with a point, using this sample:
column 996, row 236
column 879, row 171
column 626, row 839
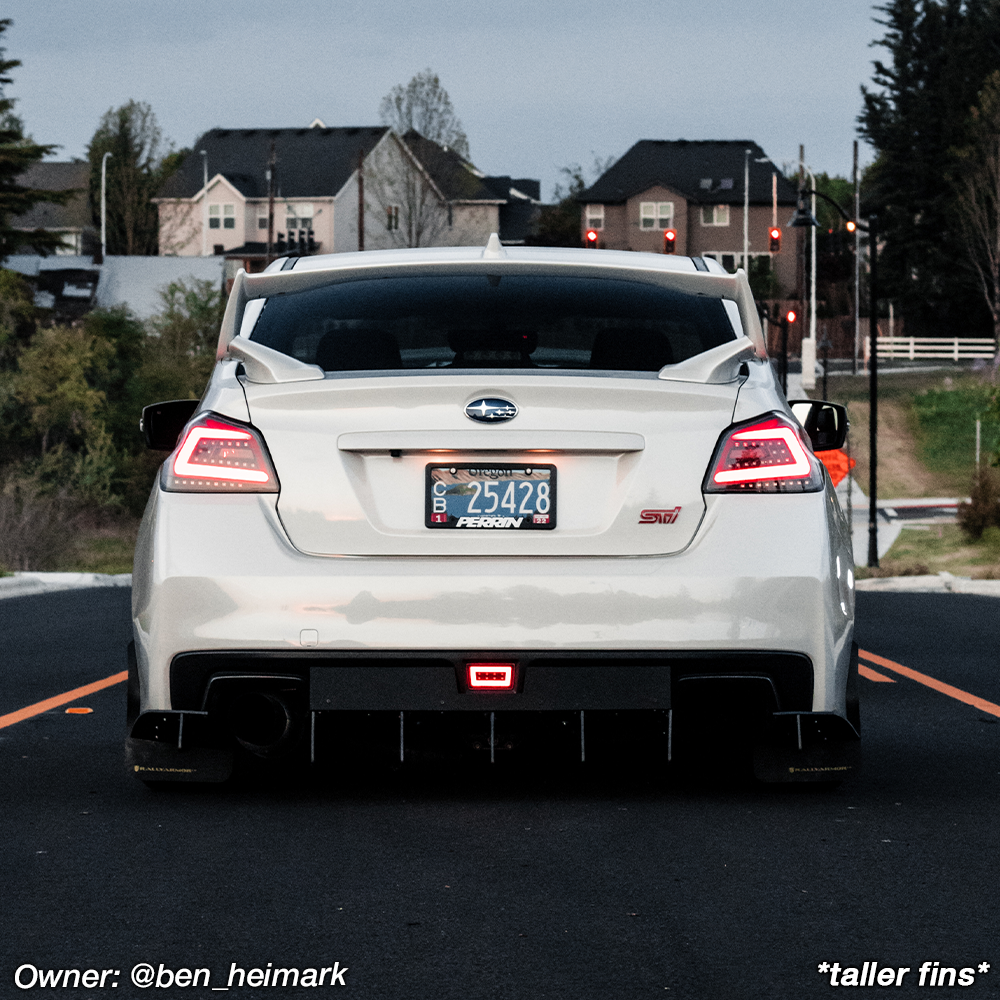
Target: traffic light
column 669, row 240
column 775, row 235
column 592, row 238
column 851, row 225
column 790, row 316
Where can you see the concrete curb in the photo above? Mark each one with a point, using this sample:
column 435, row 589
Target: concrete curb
column 941, row 583
column 24, row 584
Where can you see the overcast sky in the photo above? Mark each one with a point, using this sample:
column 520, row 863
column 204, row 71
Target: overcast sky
column 537, row 85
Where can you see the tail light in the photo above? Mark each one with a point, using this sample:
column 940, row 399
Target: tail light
column 766, row 455
column 217, row 455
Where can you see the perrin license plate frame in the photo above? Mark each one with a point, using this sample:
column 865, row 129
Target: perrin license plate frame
column 458, row 496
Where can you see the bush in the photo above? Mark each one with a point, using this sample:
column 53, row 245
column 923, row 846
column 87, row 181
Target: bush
column 36, row 530
column 982, row 512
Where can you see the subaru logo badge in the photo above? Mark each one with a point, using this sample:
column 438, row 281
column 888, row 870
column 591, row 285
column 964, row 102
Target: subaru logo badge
column 491, row 411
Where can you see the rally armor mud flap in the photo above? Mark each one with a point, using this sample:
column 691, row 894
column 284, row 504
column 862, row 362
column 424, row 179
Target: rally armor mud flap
column 807, row 746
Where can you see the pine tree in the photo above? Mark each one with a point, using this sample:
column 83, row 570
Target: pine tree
column 17, row 153
column 916, row 118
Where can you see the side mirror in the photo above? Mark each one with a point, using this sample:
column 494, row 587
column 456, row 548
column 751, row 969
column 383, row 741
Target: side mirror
column 825, row 423
column 162, row 423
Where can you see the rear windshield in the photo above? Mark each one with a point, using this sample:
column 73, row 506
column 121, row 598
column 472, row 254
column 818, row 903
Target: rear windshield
column 488, row 321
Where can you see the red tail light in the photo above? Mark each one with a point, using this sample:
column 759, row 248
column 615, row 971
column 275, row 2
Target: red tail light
column 765, row 455
column 219, row 456
column 491, row 676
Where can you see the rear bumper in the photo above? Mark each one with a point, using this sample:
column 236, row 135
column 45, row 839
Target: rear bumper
column 217, row 575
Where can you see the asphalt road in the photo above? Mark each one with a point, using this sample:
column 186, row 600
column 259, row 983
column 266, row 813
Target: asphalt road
column 525, row 882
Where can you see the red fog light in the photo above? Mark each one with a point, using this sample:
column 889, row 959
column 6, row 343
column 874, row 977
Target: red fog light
column 491, row 676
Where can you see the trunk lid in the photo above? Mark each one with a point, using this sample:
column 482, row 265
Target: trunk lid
column 351, row 454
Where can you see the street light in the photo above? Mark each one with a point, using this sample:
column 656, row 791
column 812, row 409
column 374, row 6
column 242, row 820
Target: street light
column 104, row 206
column 801, row 218
column 746, row 204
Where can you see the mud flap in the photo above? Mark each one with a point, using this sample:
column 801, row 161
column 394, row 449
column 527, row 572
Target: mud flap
column 150, row 760
column 807, row 746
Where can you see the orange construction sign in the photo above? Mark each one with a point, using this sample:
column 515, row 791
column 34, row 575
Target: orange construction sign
column 837, row 463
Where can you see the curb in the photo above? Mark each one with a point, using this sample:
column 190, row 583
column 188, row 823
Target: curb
column 940, row 583
column 24, row 584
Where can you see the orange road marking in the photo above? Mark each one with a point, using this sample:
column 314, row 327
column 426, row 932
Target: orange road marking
column 60, row 699
column 953, row 692
column 874, row 675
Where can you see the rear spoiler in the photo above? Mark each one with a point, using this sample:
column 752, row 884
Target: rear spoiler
column 733, row 287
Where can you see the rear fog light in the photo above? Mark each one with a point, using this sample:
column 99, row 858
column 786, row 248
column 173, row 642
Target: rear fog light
column 491, row 676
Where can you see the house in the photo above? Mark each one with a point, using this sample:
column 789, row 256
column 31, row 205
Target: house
column 697, row 190
column 64, row 283
column 72, row 221
column 415, row 193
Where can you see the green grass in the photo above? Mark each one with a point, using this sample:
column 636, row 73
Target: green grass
column 102, row 550
column 946, row 426
column 939, row 548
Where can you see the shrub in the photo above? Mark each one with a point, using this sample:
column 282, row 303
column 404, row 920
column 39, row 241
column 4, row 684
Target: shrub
column 36, row 530
column 983, row 509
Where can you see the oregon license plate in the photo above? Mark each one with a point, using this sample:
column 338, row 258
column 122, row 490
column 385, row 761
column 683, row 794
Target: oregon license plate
column 491, row 496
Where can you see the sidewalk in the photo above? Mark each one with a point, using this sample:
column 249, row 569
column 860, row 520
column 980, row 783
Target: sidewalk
column 23, row 584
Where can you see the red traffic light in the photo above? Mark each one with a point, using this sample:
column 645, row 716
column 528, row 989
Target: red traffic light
column 790, row 316
column 774, row 233
column 669, row 240
column 591, row 237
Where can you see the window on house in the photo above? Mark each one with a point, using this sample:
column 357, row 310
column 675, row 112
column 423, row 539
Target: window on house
column 595, row 216
column 221, row 216
column 298, row 216
column 715, row 215
column 392, row 217
column 656, row 214
column 262, row 222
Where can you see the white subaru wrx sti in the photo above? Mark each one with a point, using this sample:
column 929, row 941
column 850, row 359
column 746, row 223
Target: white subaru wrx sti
column 475, row 495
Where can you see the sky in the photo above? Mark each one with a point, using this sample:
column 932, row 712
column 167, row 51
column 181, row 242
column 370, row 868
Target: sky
column 537, row 85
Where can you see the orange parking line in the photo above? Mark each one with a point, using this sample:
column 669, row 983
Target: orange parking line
column 953, row 692
column 874, row 675
column 60, row 699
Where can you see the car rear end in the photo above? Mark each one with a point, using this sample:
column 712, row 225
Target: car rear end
column 485, row 489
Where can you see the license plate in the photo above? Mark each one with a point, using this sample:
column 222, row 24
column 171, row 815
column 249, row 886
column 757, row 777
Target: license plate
column 494, row 497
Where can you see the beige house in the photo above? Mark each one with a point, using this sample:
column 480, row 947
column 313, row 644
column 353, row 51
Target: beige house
column 696, row 190
column 415, row 193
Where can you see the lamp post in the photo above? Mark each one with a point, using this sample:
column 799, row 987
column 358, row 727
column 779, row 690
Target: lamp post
column 204, row 202
column 801, row 218
column 746, row 205
column 104, row 206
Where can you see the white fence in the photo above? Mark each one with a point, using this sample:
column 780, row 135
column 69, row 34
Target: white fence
column 916, row 348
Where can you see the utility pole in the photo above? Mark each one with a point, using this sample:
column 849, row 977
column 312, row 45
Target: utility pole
column 271, row 160
column 361, row 199
column 873, row 393
column 857, row 260
column 204, row 202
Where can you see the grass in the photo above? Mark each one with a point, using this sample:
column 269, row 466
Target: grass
column 102, row 549
column 927, row 430
column 940, row 548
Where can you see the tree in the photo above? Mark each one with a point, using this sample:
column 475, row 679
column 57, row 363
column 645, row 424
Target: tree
column 940, row 52
column 17, row 153
column 411, row 185
column 140, row 162
column 424, row 106
column 977, row 185
column 559, row 223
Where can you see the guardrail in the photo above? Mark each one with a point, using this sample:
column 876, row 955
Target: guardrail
column 915, row 348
